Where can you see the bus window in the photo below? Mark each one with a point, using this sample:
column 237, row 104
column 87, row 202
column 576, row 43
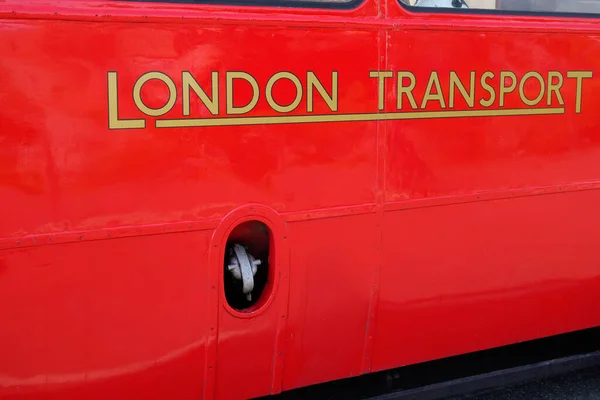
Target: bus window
column 488, row 4
column 546, row 6
column 560, row 6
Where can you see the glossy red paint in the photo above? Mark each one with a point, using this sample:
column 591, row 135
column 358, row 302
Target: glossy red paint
column 394, row 242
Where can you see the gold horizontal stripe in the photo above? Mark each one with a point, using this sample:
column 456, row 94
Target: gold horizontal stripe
column 395, row 116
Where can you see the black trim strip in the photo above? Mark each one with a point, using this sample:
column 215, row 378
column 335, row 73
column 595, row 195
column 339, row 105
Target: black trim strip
column 322, row 5
column 507, row 377
column 508, row 364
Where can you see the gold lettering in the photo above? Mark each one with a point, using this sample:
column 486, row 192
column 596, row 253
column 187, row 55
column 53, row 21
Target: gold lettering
column 525, row 99
column 113, row 108
column 555, row 87
column 269, row 92
column 381, row 75
column 137, row 94
column 189, row 83
column 579, row 75
column 313, row 82
column 455, row 82
column 486, row 86
column 229, row 77
column 505, row 90
column 438, row 95
column 402, row 90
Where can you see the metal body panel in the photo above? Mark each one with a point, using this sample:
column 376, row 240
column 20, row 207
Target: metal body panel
column 399, row 236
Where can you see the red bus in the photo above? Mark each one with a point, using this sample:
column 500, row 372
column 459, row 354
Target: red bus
column 234, row 198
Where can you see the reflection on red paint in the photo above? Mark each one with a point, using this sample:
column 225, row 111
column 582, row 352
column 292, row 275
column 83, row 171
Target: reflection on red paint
column 394, row 238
